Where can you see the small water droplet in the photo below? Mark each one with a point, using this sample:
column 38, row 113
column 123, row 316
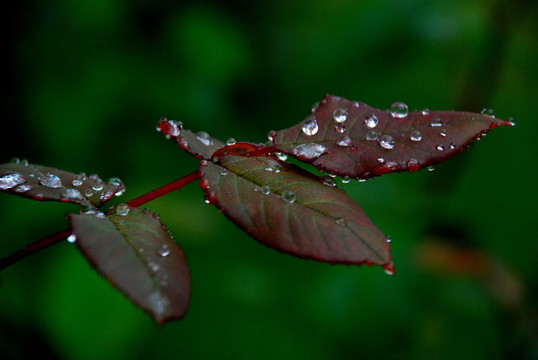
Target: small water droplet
column 97, row 184
column 281, row 156
column 310, row 127
column 345, row 179
column 340, row 115
column 204, row 138
column 72, row 238
column 265, row 189
column 163, row 251
column 371, row 135
column 341, row 128
column 399, row 110
column 8, row 181
column 122, row 209
column 50, row 180
column 326, row 180
column 310, row 151
column 344, row 141
column 488, row 112
column 231, row 141
column 443, row 132
column 413, row 164
column 371, row 121
column 341, row 221
column 440, row 147
column 387, row 142
column 436, row 122
column 21, row 188
column 288, row 196
column 416, row 136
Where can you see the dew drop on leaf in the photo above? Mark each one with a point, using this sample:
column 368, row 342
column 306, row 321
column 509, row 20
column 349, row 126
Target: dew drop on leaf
column 8, row 181
column 399, row 110
column 310, row 127
column 436, row 122
column 122, row 210
column 371, row 121
column 50, row 180
column 387, row 142
column 371, row 135
column 416, row 136
column 340, row 115
column 288, row 196
column 310, row 151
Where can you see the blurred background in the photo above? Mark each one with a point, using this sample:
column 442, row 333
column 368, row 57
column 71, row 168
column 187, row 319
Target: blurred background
column 86, row 82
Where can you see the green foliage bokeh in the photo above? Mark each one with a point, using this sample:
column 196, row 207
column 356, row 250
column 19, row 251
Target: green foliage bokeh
column 87, row 82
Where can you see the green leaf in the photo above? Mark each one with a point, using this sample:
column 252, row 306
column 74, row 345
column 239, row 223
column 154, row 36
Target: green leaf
column 135, row 253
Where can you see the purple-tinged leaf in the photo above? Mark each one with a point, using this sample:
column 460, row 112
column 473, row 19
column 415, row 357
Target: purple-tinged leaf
column 45, row 183
column 201, row 145
column 293, row 211
column 353, row 139
column 136, row 254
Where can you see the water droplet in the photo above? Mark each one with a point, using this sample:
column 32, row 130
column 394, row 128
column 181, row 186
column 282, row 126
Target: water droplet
column 271, row 135
column 345, row 179
column 231, row 141
column 21, row 188
column 488, row 112
column 223, row 171
column 443, row 132
column 310, row 127
column 344, row 141
column 326, row 180
column 78, row 179
column 73, row 194
column 371, row 135
column 204, row 138
column 416, row 136
column 387, row 142
column 122, row 209
column 163, row 251
column 430, row 168
column 310, row 151
column 371, row 121
column 413, row 164
column 440, row 147
column 281, row 156
column 425, row 112
column 8, row 181
column 50, row 180
column 399, row 110
column 97, row 184
column 340, row 115
column 288, row 196
column 436, row 122
column 340, row 221
column 341, row 128
column 265, row 189
column 72, row 238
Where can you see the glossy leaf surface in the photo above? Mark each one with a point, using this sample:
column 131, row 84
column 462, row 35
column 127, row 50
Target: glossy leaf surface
column 353, row 139
column 293, row 211
column 45, row 183
column 136, row 254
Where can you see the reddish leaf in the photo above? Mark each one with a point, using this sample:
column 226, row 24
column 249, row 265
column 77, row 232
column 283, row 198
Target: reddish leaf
column 293, row 211
column 135, row 253
column 45, row 183
column 200, row 144
column 351, row 138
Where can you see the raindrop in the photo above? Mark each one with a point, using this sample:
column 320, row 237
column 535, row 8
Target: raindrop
column 371, row 135
column 97, row 184
column 7, row 181
column 78, row 179
column 416, row 136
column 436, row 122
column 340, row 115
column 488, row 112
column 281, row 156
column 341, row 128
column 310, row 127
column 163, row 251
column 50, row 180
column 72, row 238
column 310, row 151
column 340, row 221
column 122, row 209
column 399, row 110
column 440, row 147
column 231, row 141
column 344, row 141
column 326, row 180
column 265, row 189
column 371, row 121
column 345, row 179
column 288, row 196
column 21, row 188
column 204, row 138
column 387, row 142
column 443, row 132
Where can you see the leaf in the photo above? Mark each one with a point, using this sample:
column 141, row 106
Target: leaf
column 201, row 144
column 136, row 254
column 353, row 139
column 45, row 183
column 293, row 211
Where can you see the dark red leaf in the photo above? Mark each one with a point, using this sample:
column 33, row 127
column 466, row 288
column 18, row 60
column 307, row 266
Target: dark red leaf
column 353, row 139
column 45, row 183
column 135, row 253
column 293, row 211
column 200, row 144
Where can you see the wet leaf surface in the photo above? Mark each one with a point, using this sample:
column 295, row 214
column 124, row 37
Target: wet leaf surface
column 135, row 253
column 293, row 211
column 353, row 139
column 44, row 183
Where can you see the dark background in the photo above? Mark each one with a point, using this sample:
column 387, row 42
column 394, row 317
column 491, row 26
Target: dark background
column 86, row 82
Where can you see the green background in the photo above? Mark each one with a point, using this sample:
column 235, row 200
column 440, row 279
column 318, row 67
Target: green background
column 87, row 82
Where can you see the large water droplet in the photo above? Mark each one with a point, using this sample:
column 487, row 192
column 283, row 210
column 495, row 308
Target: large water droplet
column 436, row 122
column 310, row 127
column 310, row 151
column 72, row 238
column 344, row 141
column 340, row 115
column 371, row 135
column 371, row 121
column 8, row 181
column 399, row 110
column 387, row 142
column 122, row 209
column 288, row 196
column 416, row 136
column 204, row 138
column 50, row 180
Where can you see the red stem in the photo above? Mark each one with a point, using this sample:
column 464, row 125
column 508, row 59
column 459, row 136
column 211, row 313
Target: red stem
column 62, row 235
